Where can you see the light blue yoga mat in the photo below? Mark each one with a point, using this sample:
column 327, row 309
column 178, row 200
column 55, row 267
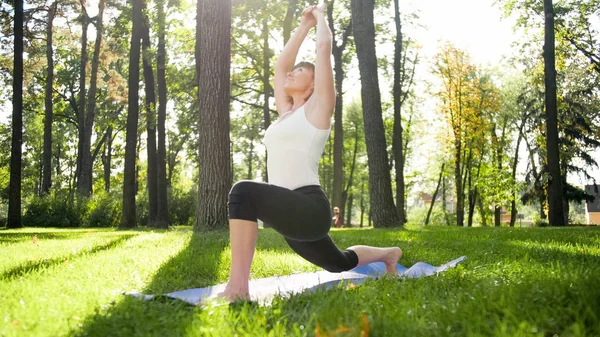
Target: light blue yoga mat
column 264, row 289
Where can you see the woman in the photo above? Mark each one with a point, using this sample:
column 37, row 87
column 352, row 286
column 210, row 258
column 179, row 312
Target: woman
column 337, row 217
column 293, row 202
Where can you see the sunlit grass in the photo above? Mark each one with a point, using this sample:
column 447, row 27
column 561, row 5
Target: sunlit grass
column 515, row 282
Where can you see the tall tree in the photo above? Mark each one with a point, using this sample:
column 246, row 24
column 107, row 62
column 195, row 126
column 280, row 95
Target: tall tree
column 555, row 190
column 150, row 107
column 213, row 61
column 382, row 208
column 129, row 172
column 397, row 143
column 85, row 182
column 454, row 68
column 287, row 22
column 338, row 198
column 162, row 211
column 107, row 157
column 85, row 20
column 14, row 197
column 49, row 115
column 266, row 79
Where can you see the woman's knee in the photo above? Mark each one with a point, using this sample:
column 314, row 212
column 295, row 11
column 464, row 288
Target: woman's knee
column 242, row 187
column 240, row 202
column 345, row 261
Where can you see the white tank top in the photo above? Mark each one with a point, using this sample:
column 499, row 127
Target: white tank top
column 294, row 148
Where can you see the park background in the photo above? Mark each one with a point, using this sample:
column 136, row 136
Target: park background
column 130, row 136
column 73, row 150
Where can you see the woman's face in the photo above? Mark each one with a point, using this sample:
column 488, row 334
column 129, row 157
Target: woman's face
column 299, row 79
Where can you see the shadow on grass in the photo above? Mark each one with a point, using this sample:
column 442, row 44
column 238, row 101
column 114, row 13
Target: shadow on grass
column 196, row 265
column 23, row 269
column 27, row 236
column 492, row 245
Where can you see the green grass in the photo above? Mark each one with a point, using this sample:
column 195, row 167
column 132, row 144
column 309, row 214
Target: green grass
column 515, row 282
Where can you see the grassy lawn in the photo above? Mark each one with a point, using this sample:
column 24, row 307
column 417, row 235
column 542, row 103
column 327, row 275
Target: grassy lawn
column 515, row 282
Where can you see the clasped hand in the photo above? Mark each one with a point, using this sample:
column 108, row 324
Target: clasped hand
column 311, row 14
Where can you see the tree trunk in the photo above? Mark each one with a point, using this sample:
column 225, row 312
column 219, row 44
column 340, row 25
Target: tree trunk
column 49, row 116
column 162, row 207
column 352, row 169
column 349, row 212
column 472, row 203
column 362, row 203
column 482, row 212
column 249, row 172
column 337, row 196
column 437, row 188
column 513, row 203
column 129, row 173
column 382, row 202
column 460, row 199
column 213, row 62
column 14, row 196
column 85, row 183
column 266, row 82
column 555, row 189
column 287, row 22
column 397, row 143
column 150, row 108
column 106, row 158
column 81, row 105
column 497, row 149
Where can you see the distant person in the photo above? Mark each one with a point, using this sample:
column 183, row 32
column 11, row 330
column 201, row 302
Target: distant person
column 337, row 218
column 293, row 202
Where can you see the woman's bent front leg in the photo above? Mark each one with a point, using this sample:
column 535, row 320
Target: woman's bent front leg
column 242, row 236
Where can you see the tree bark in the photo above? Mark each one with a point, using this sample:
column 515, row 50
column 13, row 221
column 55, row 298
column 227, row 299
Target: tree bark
column 349, row 212
column 351, row 175
column 129, row 173
column 460, row 196
column 213, row 60
column 555, row 189
column 513, row 203
column 266, row 83
column 162, row 207
column 85, row 183
column 81, row 106
column 397, row 143
column 150, row 99
column 337, row 198
column 382, row 202
column 362, row 203
column 287, row 22
column 49, row 114
column 106, row 158
column 14, row 194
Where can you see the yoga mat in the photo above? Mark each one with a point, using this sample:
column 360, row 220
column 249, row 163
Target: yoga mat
column 264, row 289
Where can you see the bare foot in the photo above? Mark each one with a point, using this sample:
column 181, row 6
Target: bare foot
column 235, row 292
column 391, row 260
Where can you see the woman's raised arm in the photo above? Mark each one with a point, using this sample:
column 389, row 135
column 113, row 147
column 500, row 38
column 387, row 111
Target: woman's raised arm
column 286, row 60
column 322, row 101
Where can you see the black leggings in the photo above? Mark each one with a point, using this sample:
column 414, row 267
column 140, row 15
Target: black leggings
column 302, row 216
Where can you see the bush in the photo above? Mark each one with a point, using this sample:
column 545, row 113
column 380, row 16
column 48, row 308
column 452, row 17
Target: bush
column 104, row 210
column 54, row 210
column 540, row 223
column 142, row 207
column 182, row 205
column 418, row 215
